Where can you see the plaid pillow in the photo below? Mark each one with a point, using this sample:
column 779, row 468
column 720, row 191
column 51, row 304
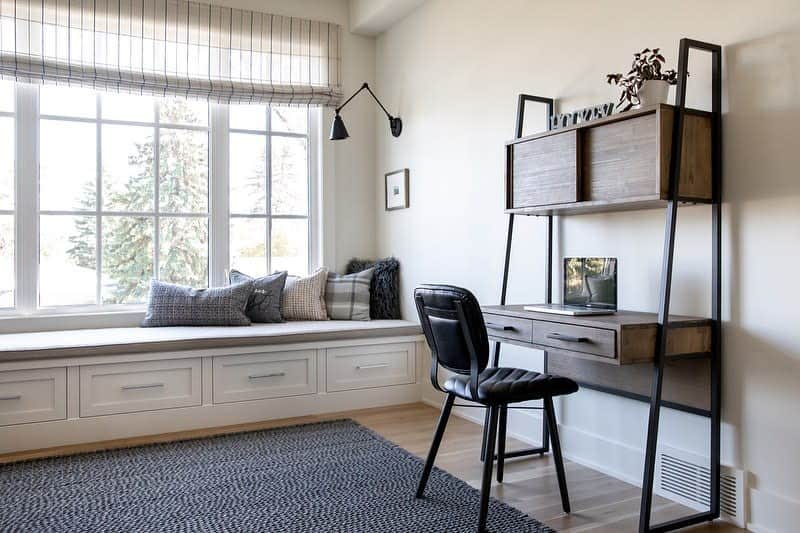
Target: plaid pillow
column 304, row 298
column 347, row 297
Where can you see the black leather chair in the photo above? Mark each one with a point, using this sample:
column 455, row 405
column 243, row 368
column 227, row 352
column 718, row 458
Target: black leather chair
column 453, row 324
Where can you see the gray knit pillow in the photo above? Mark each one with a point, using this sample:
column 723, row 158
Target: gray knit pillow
column 347, row 297
column 176, row 305
column 265, row 302
column 304, row 298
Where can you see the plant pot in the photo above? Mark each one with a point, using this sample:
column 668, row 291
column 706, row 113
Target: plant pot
column 653, row 92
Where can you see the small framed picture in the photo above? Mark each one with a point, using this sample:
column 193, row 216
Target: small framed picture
column 397, row 189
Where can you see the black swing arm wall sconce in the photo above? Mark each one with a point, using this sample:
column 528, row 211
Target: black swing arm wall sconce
column 339, row 132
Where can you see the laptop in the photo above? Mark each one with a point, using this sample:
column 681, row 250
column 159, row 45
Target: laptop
column 589, row 288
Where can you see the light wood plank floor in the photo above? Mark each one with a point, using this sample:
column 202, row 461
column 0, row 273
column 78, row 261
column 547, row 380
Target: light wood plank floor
column 600, row 503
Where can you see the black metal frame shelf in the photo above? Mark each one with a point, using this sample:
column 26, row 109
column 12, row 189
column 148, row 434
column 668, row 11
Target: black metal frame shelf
column 671, row 208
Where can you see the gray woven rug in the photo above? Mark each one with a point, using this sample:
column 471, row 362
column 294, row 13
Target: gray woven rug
column 332, row 476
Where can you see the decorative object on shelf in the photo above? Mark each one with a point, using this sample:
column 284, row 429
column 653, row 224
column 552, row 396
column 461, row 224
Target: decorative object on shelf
column 586, row 114
column 396, row 189
column 645, row 83
column 338, row 130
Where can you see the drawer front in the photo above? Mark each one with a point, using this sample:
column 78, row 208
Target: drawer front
column 361, row 367
column 144, row 386
column 507, row 327
column 595, row 341
column 33, row 395
column 259, row 376
column 544, row 171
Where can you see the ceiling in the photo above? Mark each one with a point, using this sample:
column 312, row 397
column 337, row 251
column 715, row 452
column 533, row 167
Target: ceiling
column 373, row 17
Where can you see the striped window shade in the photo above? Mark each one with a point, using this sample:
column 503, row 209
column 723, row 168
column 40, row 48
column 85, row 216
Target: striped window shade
column 171, row 48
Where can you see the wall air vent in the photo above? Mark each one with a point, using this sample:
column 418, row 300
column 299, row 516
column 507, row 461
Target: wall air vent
column 685, row 477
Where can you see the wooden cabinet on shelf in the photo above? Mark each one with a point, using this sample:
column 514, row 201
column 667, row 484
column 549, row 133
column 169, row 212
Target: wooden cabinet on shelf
column 613, row 163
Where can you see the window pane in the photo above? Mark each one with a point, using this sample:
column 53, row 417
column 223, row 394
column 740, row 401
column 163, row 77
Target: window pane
column 133, row 107
column 6, row 261
column 67, row 260
column 248, row 177
column 248, row 117
column 67, row 165
column 67, row 101
column 183, row 186
column 183, row 254
column 290, row 119
column 289, row 176
column 182, row 111
column 7, row 163
column 249, row 245
column 128, row 183
column 6, row 95
column 289, row 245
column 127, row 259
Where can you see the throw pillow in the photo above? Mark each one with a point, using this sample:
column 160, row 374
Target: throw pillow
column 304, row 298
column 264, row 304
column 176, row 305
column 384, row 299
column 347, row 297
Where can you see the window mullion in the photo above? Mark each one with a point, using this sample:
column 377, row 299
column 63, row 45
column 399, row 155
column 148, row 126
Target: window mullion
column 27, row 203
column 219, row 198
column 98, row 203
column 268, row 173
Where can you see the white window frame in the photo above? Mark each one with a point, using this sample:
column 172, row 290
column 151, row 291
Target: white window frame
column 27, row 216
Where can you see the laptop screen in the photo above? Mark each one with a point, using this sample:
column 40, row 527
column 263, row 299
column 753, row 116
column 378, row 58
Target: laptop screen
column 590, row 282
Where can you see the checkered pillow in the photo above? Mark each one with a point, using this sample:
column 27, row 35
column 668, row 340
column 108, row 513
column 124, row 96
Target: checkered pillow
column 347, row 297
column 304, row 298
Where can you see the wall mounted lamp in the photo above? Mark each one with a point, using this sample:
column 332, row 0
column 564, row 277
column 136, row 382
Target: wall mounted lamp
column 339, row 132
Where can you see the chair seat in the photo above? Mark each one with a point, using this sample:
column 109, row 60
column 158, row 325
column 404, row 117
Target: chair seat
column 499, row 385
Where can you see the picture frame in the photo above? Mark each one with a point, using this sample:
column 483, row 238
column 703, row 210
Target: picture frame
column 396, row 189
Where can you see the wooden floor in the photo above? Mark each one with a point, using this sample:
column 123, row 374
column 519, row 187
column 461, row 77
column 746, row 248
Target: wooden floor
column 599, row 503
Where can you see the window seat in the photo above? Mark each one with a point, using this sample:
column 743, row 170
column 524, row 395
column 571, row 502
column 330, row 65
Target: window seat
column 111, row 341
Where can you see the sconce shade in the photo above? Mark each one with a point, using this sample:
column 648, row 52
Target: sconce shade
column 338, row 131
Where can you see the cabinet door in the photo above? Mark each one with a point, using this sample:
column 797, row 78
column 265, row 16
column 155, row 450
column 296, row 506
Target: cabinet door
column 544, row 171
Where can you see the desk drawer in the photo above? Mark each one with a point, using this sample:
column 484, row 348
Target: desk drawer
column 33, row 395
column 361, row 367
column 145, row 386
column 506, row 327
column 267, row 375
column 595, row 341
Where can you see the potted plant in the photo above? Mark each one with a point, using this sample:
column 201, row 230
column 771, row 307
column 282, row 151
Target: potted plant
column 646, row 83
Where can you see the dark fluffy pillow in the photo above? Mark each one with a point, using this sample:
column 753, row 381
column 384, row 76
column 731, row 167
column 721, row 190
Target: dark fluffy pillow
column 176, row 305
column 264, row 305
column 384, row 291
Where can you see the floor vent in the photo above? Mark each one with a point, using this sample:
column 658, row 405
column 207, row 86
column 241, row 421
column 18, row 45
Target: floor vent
column 686, row 478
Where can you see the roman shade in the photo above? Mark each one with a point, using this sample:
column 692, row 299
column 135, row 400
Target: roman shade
column 171, row 48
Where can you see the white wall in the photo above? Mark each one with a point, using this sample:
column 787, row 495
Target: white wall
column 452, row 71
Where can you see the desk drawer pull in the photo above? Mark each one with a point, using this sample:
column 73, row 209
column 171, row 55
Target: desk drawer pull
column 142, row 386
column 566, row 338
column 376, row 365
column 270, row 375
column 11, row 397
column 499, row 327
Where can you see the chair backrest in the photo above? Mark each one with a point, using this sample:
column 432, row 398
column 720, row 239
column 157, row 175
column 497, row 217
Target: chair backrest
column 437, row 306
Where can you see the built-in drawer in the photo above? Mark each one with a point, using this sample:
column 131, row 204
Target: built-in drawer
column 265, row 375
column 361, row 367
column 594, row 341
column 508, row 327
column 142, row 386
column 33, row 395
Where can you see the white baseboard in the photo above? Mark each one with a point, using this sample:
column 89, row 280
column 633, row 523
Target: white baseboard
column 772, row 513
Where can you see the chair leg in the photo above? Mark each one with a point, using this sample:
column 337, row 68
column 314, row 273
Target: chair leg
column 485, row 431
column 486, row 481
column 550, row 413
column 437, row 440
column 501, row 442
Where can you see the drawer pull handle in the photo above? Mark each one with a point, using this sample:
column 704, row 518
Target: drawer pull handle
column 270, row 375
column 566, row 338
column 376, row 365
column 142, row 386
column 11, row 397
column 499, row 327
